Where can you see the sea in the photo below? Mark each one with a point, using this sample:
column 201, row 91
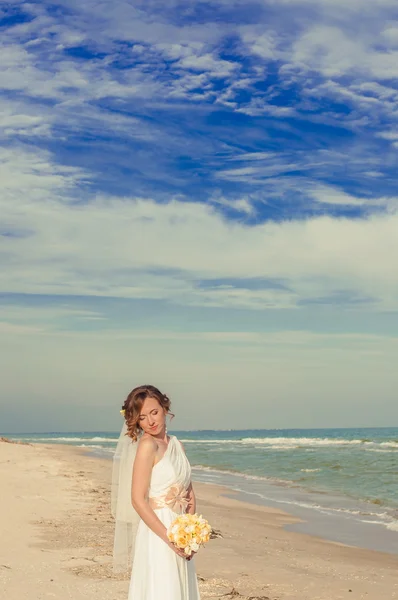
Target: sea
column 341, row 484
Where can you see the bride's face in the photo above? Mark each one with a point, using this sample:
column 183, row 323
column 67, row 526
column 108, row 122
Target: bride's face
column 152, row 417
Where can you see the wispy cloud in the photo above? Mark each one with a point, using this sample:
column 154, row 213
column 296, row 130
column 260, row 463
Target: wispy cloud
column 100, row 247
column 156, row 74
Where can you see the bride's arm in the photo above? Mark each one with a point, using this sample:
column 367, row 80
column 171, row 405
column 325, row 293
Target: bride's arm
column 191, row 508
column 142, row 470
column 143, row 465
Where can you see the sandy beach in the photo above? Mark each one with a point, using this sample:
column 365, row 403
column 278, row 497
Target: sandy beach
column 56, row 540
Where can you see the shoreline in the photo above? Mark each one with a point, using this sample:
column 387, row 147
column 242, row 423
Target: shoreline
column 324, row 481
column 356, row 527
column 329, row 528
column 327, row 515
column 59, row 533
column 341, row 519
column 322, row 523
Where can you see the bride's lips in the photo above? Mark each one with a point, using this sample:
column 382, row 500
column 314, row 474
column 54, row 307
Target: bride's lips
column 154, row 427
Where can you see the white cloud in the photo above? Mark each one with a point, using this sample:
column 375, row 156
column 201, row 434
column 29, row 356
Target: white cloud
column 248, row 156
column 328, row 50
column 334, row 53
column 22, row 119
column 336, row 197
column 207, row 62
column 37, row 191
column 196, row 56
column 114, row 246
column 391, row 35
column 269, row 167
column 27, row 175
column 261, row 44
column 242, row 205
column 69, row 83
column 391, row 136
column 329, row 195
column 258, row 107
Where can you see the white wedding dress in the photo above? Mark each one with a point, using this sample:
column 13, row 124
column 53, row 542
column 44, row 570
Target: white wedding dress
column 159, row 573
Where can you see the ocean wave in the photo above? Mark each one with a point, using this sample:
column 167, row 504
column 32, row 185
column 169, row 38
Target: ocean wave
column 305, row 441
column 282, row 443
column 101, row 450
column 56, row 439
column 69, row 439
column 102, row 439
column 379, row 450
column 91, row 446
column 193, row 441
column 379, row 518
column 274, row 480
column 385, row 514
column 293, row 502
column 392, row 526
column 310, row 470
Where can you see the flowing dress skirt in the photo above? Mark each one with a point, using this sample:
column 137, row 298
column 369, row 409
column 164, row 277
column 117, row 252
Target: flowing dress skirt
column 158, row 572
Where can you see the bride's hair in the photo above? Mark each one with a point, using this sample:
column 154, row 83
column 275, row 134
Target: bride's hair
column 133, row 404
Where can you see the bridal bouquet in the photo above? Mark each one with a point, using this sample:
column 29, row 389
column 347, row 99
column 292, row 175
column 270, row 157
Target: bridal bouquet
column 189, row 532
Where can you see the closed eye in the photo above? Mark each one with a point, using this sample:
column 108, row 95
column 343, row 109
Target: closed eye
column 154, row 412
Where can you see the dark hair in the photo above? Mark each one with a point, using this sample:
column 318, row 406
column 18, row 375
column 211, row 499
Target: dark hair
column 133, row 404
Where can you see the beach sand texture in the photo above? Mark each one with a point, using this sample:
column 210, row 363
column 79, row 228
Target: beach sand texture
column 56, row 540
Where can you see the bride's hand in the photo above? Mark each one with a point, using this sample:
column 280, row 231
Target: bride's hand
column 178, row 550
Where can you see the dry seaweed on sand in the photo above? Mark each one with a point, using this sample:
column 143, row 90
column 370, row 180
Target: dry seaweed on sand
column 8, row 441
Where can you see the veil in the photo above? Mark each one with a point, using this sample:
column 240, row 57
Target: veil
column 126, row 517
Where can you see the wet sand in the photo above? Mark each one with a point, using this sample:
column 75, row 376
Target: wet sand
column 56, row 540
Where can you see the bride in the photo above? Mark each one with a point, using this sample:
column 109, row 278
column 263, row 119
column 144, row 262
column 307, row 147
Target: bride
column 151, row 485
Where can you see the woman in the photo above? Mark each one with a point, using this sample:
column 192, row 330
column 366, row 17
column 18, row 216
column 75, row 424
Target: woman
column 154, row 468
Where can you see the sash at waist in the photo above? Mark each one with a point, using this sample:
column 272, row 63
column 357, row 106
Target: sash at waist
column 176, row 498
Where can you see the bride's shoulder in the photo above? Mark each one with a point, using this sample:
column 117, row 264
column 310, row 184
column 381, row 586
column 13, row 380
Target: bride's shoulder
column 146, row 443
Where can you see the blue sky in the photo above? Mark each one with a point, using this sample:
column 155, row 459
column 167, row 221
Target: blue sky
column 202, row 195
